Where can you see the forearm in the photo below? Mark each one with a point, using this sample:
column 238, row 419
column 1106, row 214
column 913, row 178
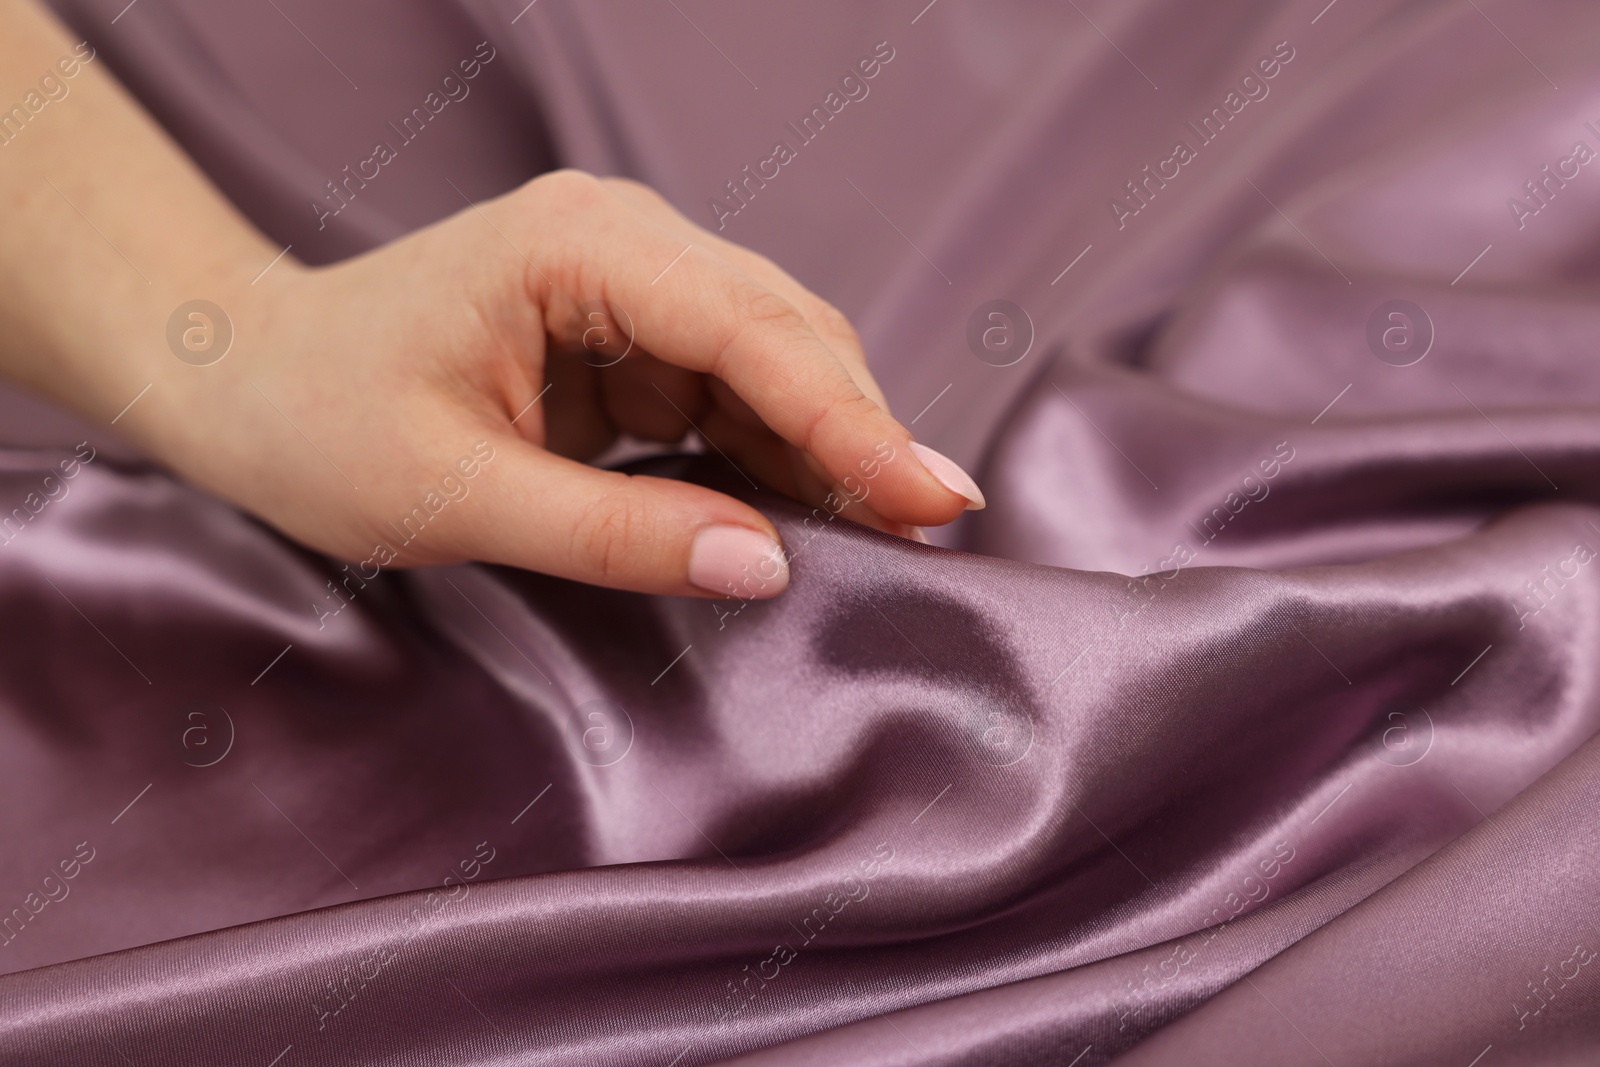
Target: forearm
column 108, row 228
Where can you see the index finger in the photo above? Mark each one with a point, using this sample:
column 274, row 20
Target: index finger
column 699, row 311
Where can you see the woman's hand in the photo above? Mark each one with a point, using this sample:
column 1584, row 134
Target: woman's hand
column 431, row 401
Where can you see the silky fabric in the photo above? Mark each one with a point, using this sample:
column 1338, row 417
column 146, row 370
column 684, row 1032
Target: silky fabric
column 1252, row 721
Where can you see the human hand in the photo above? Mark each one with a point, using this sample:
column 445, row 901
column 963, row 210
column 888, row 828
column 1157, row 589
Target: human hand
column 431, row 401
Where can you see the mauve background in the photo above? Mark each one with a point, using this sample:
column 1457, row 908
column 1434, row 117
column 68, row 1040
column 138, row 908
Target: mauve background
column 1073, row 772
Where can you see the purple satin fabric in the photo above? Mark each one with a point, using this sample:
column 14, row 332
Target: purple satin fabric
column 1314, row 785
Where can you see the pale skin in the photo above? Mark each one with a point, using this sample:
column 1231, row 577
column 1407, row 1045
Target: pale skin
column 351, row 390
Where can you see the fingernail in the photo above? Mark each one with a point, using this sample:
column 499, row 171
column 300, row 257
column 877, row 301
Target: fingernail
column 738, row 561
column 917, row 533
column 950, row 476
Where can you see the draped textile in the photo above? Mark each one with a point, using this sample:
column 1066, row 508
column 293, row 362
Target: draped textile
column 1251, row 722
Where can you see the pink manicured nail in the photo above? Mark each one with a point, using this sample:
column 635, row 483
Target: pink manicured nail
column 950, row 476
column 738, row 561
column 917, row 533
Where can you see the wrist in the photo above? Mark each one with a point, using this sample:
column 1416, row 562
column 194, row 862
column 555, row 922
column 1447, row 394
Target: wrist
column 186, row 392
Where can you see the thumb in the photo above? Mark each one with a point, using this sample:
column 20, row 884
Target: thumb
column 545, row 513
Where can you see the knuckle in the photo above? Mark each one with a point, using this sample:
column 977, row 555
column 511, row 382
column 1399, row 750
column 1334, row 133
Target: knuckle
column 759, row 307
column 835, row 324
column 570, row 186
column 609, row 530
column 635, row 189
column 757, row 314
column 852, row 409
